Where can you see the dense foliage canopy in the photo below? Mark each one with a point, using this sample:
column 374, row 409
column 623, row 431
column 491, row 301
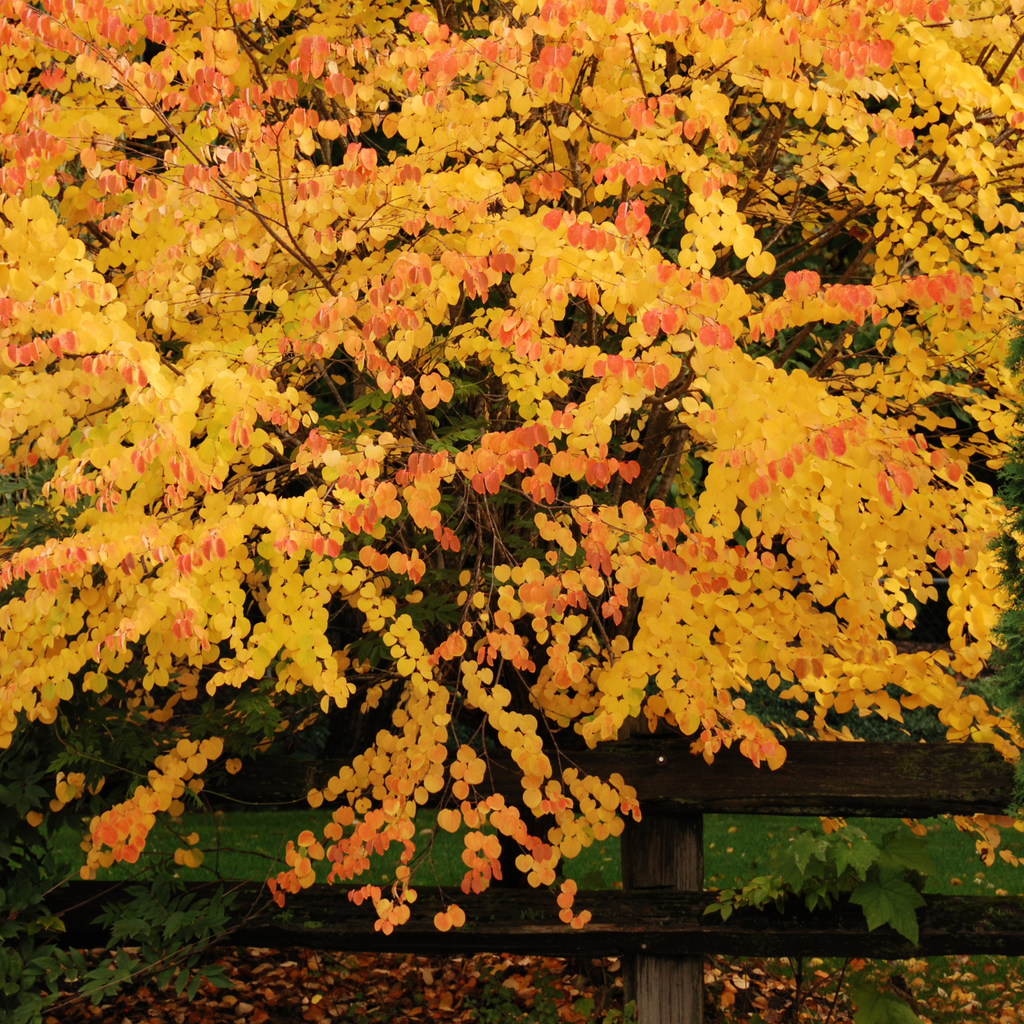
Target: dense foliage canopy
column 432, row 379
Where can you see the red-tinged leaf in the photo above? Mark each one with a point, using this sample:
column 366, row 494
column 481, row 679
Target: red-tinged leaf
column 629, row 471
column 820, row 446
column 942, row 559
column 904, row 481
column 885, row 490
column 760, row 488
column 837, row 439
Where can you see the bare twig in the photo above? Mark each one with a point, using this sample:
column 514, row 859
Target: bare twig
column 839, row 988
column 636, row 64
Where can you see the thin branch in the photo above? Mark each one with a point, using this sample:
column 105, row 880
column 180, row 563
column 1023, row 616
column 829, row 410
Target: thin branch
column 833, row 350
column 603, row 131
column 1009, row 57
column 839, row 988
column 636, row 64
column 330, row 384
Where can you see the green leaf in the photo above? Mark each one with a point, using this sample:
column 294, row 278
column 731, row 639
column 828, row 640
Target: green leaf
column 889, row 901
column 51, row 923
column 855, row 851
column 876, row 1006
column 10, row 965
column 819, row 896
column 172, row 924
column 905, row 850
column 128, row 928
column 215, row 975
column 794, row 860
column 805, row 848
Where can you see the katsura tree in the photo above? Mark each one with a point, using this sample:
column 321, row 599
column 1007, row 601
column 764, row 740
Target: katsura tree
column 459, row 378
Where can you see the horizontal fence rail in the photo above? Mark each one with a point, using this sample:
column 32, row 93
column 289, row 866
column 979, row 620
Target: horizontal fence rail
column 896, row 780
column 655, row 922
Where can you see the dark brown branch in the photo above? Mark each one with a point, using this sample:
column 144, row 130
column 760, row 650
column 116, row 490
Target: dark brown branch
column 1009, row 58
column 828, row 357
column 636, row 64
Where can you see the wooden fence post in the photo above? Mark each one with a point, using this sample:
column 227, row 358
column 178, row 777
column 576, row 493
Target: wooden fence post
column 665, row 852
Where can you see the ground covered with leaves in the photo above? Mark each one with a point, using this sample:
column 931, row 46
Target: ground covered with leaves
column 296, row 984
column 271, row 986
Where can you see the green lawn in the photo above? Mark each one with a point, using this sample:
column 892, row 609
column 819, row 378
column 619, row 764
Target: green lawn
column 243, row 844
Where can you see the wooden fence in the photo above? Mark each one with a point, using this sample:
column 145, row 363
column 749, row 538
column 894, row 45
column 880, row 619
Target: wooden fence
column 657, row 920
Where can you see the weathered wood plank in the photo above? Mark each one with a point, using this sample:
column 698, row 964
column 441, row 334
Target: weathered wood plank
column 664, row 923
column 661, row 851
column 848, row 779
column 665, row 850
